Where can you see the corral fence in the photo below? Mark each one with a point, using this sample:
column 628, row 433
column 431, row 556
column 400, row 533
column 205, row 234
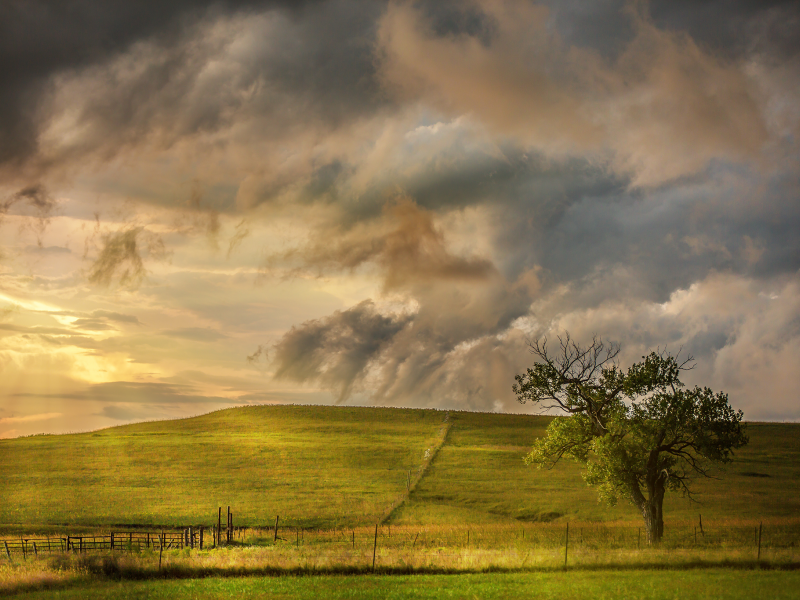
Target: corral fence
column 118, row 540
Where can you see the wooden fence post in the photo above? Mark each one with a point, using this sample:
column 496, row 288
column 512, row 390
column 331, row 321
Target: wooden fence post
column 217, row 539
column 760, row 525
column 8, row 552
column 375, row 547
column 160, row 549
column 201, row 537
column 275, row 539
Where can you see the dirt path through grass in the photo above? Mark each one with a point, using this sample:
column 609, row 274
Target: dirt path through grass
column 429, row 457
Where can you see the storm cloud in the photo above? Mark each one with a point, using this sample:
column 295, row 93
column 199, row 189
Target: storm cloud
column 389, row 199
column 337, row 350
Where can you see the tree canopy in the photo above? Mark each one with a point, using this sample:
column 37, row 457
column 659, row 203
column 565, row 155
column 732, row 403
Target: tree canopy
column 638, row 432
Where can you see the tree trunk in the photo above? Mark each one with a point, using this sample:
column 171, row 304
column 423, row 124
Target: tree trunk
column 653, row 511
column 651, row 507
column 653, row 515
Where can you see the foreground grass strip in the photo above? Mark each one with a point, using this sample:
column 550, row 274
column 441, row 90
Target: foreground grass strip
column 657, row 585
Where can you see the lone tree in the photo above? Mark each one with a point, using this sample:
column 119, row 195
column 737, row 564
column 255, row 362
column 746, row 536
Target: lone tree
column 639, row 433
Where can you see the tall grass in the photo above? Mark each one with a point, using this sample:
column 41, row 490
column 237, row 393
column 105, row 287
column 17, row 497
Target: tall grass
column 426, row 549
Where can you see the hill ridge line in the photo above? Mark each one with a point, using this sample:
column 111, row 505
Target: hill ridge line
column 430, row 455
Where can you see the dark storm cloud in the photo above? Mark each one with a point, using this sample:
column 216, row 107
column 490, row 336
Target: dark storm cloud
column 670, row 238
column 447, row 353
column 319, row 68
column 627, row 169
column 40, row 38
column 409, row 250
column 731, row 28
column 462, row 303
column 338, row 350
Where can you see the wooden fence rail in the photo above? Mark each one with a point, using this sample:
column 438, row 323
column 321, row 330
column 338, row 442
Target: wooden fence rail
column 118, row 540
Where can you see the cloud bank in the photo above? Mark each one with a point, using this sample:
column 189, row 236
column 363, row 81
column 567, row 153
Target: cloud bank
column 383, row 201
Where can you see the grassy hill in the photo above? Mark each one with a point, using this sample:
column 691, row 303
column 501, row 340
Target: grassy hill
column 311, row 465
column 344, row 466
column 478, row 476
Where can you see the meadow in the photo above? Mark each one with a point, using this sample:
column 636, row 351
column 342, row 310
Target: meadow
column 316, row 466
column 719, row 584
column 449, row 491
column 345, row 466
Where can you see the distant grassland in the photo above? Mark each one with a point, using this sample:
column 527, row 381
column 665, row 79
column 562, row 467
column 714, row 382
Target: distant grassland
column 479, row 477
column 312, row 465
column 344, row 466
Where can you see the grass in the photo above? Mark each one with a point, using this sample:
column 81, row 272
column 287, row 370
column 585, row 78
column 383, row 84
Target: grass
column 331, row 472
column 315, row 466
column 405, row 550
column 479, row 477
column 720, row 584
column 319, row 466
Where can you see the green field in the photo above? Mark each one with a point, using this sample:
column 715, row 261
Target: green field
column 331, row 473
column 645, row 585
column 478, row 476
column 345, row 466
column 320, row 466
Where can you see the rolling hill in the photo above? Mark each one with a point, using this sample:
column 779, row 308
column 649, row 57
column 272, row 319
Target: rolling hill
column 322, row 466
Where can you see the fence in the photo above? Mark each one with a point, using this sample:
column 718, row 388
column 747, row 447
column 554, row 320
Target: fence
column 118, row 540
column 435, row 543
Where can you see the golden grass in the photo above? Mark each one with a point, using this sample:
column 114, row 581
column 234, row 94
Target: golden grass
column 426, row 549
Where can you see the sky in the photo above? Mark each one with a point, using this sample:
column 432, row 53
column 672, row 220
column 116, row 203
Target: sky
column 209, row 204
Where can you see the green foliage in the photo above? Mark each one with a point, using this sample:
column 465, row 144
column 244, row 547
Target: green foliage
column 638, row 433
